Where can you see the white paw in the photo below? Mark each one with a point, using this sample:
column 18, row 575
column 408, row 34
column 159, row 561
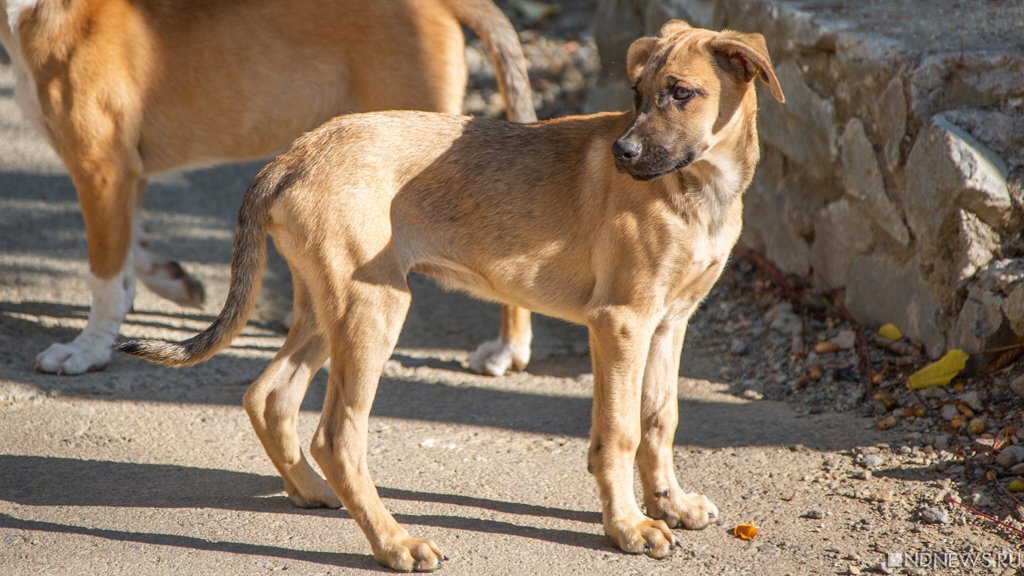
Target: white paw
column 494, row 358
column 73, row 358
column 171, row 281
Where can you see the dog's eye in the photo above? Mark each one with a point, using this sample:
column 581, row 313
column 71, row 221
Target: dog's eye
column 682, row 93
column 636, row 97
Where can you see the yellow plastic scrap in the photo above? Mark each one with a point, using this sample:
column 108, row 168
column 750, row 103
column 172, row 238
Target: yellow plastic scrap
column 890, row 332
column 940, row 372
column 745, row 531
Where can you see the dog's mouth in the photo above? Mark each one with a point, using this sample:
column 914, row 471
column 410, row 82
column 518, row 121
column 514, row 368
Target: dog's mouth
column 638, row 174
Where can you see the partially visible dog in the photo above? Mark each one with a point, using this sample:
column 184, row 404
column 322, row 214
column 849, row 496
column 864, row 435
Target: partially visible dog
column 621, row 222
column 127, row 88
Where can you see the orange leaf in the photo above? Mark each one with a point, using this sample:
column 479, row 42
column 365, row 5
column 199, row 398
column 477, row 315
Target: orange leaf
column 745, row 531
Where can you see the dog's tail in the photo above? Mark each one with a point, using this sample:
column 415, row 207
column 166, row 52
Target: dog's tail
column 248, row 260
column 498, row 34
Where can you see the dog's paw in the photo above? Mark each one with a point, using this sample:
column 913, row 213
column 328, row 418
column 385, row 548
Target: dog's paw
column 410, row 554
column 72, row 358
column 496, row 357
column 171, row 281
column 693, row 511
column 642, row 536
column 319, row 495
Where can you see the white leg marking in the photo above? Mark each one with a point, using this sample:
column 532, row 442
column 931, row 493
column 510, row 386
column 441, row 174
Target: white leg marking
column 495, row 357
column 90, row 350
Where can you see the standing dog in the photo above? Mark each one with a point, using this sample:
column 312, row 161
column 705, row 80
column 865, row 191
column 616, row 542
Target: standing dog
column 127, row 88
column 621, row 222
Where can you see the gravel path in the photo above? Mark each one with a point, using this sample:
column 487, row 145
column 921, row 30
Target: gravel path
column 143, row 469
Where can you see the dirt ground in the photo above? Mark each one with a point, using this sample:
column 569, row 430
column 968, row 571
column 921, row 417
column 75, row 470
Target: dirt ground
column 144, row 469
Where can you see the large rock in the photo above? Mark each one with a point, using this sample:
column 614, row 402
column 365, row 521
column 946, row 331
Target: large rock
column 862, row 179
column 949, row 169
column 894, row 166
column 842, row 234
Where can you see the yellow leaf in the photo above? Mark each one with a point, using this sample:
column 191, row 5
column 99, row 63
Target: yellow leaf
column 940, row 372
column 1016, row 485
column 745, row 531
column 890, row 331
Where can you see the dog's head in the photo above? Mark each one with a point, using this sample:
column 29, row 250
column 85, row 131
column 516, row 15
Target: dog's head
column 689, row 85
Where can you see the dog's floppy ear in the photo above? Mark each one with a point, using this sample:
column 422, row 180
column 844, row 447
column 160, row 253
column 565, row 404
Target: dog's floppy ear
column 636, row 58
column 748, row 53
column 673, row 27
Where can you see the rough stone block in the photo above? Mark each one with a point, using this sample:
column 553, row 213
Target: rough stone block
column 881, row 291
column 842, row 234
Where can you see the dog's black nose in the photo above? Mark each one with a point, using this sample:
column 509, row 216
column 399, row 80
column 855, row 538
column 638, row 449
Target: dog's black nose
column 626, row 150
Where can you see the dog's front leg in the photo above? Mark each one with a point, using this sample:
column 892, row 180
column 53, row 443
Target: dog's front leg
column 659, row 409
column 106, row 187
column 619, row 342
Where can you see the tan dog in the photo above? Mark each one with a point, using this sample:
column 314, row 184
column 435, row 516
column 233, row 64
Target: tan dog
column 127, row 88
column 540, row 216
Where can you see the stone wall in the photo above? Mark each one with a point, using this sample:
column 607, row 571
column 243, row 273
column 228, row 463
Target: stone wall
column 894, row 168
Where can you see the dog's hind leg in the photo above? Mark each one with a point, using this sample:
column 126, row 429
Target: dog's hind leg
column 164, row 277
column 369, row 318
column 659, row 412
column 511, row 350
column 273, row 403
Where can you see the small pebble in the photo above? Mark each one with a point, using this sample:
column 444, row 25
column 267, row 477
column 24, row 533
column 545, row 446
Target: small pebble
column 934, row 516
column 782, row 319
column 845, row 339
column 428, row 443
column 1018, row 385
column 751, row 394
column 738, row 347
column 814, row 514
column 871, row 461
column 1010, row 455
column 980, row 500
column 973, row 400
column 948, row 412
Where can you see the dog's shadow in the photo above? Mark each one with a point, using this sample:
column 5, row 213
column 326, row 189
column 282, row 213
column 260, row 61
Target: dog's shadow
column 55, row 481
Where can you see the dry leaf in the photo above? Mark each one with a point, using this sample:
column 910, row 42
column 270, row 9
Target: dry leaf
column 886, row 423
column 745, row 531
column 826, row 347
column 940, row 372
column 886, row 399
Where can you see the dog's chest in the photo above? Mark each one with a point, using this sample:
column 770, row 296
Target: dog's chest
column 701, row 259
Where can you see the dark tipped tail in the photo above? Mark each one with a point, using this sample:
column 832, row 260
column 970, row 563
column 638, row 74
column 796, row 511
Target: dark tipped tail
column 249, row 257
column 498, row 34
